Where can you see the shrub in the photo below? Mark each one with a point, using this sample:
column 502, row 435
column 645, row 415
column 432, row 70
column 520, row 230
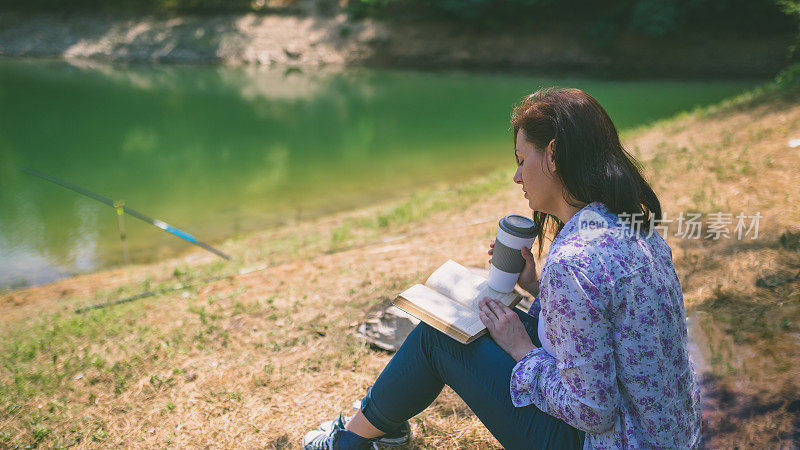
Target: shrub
column 791, row 76
column 655, row 18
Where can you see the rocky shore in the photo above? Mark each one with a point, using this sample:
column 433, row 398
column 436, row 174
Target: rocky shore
column 303, row 39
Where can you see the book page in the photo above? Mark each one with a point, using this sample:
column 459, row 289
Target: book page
column 459, row 283
column 442, row 307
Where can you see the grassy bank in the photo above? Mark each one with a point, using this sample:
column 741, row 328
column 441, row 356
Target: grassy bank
column 254, row 352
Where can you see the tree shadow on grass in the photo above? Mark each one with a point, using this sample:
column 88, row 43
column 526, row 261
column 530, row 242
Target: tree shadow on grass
column 747, row 352
column 763, row 418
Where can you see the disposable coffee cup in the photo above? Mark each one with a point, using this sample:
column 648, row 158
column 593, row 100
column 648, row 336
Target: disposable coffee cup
column 513, row 232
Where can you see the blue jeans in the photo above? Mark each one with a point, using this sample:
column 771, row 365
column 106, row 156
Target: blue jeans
column 479, row 373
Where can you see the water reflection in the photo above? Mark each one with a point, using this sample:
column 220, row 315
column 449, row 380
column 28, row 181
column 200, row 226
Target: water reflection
column 218, row 151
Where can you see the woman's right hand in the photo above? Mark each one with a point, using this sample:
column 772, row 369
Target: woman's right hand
column 528, row 280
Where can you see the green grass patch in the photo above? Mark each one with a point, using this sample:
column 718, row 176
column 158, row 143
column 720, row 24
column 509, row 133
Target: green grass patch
column 42, row 355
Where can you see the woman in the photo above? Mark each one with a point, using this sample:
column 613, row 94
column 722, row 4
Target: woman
column 601, row 359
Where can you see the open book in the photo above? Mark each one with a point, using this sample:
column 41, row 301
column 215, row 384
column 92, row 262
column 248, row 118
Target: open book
column 448, row 301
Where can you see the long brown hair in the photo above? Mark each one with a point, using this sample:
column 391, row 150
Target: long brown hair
column 590, row 160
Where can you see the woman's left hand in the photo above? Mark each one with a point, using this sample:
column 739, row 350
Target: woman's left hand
column 505, row 327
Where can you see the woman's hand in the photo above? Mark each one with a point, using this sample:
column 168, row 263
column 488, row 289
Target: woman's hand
column 505, row 327
column 528, row 280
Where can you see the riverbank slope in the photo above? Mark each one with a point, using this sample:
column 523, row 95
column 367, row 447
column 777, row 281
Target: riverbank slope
column 256, row 351
column 307, row 39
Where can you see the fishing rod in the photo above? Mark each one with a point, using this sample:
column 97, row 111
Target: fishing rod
column 122, row 208
column 250, row 270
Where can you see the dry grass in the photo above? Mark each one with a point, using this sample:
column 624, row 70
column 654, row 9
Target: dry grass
column 255, row 360
column 736, row 159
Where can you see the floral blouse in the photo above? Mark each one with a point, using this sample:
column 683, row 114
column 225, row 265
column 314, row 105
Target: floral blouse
column 613, row 311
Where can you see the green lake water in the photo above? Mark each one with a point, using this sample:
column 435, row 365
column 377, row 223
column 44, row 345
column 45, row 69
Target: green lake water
column 222, row 151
